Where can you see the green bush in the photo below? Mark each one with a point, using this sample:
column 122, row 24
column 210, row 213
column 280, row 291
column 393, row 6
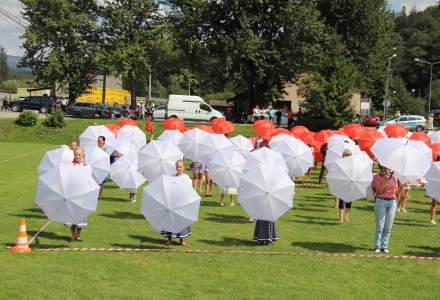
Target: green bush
column 55, row 118
column 27, row 118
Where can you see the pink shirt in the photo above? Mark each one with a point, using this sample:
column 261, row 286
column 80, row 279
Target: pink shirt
column 79, row 163
column 390, row 188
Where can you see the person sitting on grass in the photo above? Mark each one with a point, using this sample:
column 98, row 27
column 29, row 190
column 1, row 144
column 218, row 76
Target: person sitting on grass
column 75, row 229
column 180, row 171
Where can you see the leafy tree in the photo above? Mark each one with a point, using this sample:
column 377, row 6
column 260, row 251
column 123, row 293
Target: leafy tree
column 403, row 101
column 130, row 28
column 257, row 46
column 61, row 42
column 4, row 69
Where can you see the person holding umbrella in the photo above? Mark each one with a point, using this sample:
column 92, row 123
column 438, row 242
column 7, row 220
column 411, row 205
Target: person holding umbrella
column 101, row 144
column 344, row 207
column 75, row 229
column 197, row 168
column 385, row 186
column 180, row 171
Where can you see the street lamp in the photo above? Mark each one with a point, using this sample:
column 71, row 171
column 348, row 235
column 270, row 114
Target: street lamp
column 385, row 103
column 430, row 80
column 413, row 91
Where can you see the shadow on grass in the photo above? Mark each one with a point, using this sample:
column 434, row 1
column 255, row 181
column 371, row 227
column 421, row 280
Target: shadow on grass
column 157, row 243
column 50, row 236
column 34, row 210
column 29, row 216
column 411, row 223
column 327, row 247
column 315, row 220
column 123, row 215
column 424, row 251
column 230, row 242
column 218, row 218
column 209, row 203
column 309, row 209
column 113, row 199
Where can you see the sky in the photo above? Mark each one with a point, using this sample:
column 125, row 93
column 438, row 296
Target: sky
column 10, row 32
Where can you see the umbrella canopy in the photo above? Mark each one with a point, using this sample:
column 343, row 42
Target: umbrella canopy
column 263, row 127
column 435, row 148
column 132, row 134
column 52, row 158
column 226, row 168
column 89, row 138
column 189, row 143
column 338, row 138
column 67, row 194
column 299, row 130
column 435, row 136
column 266, row 193
column 223, row 127
column 335, row 151
column 297, row 155
column 307, row 138
column 421, row 136
column 170, row 203
column 349, row 177
column 323, row 135
column 432, row 184
column 125, row 174
column 368, row 138
column 354, row 131
column 242, row 145
column 279, row 139
column 206, row 128
column 127, row 121
column 99, row 161
column 113, row 128
column 158, row 158
column 395, row 131
column 174, row 124
column 406, row 158
column 171, row 135
column 279, row 131
column 266, row 156
column 212, row 144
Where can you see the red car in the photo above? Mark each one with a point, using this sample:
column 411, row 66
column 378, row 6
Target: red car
column 371, row 121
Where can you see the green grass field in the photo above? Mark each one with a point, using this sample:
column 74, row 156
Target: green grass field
column 311, row 226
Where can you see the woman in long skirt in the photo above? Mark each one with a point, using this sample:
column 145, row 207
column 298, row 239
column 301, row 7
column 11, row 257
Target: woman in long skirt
column 265, row 232
column 180, row 171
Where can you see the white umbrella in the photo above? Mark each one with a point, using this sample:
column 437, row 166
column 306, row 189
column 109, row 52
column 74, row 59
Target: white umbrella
column 337, row 139
column 212, row 144
column 170, row 203
column 67, row 194
column 406, row 158
column 126, row 149
column 298, row 156
column 336, row 150
column 279, row 139
column 435, row 136
column 124, row 172
column 266, row 156
column 89, row 138
column 432, row 184
column 52, row 158
column 133, row 135
column 171, row 135
column 242, row 145
column 158, row 158
column 381, row 130
column 349, row 177
column 226, row 168
column 99, row 160
column 189, row 143
column 266, row 193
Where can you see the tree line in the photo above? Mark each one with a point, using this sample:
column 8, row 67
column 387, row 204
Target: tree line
column 243, row 49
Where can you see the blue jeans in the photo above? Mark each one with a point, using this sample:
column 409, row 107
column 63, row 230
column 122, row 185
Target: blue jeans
column 385, row 211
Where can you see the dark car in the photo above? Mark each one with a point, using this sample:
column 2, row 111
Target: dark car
column 106, row 111
column 371, row 121
column 82, row 109
column 41, row 103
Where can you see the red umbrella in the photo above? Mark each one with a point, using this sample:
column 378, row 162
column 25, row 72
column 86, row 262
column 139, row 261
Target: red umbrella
column 113, row 127
column 279, row 131
column 127, row 121
column 267, row 133
column 354, row 131
column 223, row 127
column 395, row 131
column 341, row 131
column 307, row 138
column 262, row 126
column 421, row 136
column 216, row 120
column 299, row 130
column 367, row 140
column 323, row 135
column 174, row 124
column 208, row 129
column 435, row 151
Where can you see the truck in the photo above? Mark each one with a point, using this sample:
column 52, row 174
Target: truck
column 191, row 108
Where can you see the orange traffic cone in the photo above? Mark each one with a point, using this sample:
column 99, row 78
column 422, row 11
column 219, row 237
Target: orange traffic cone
column 22, row 244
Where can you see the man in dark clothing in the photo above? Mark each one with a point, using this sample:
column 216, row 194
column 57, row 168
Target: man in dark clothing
column 290, row 118
column 278, row 114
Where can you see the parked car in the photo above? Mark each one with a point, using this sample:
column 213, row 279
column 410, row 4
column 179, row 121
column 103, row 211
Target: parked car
column 371, row 121
column 43, row 104
column 82, row 109
column 160, row 112
column 412, row 122
column 107, row 111
column 191, row 108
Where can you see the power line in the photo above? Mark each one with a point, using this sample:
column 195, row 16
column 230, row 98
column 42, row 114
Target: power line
column 13, row 17
column 13, row 23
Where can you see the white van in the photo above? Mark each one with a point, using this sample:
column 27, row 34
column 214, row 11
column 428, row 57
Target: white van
column 191, row 108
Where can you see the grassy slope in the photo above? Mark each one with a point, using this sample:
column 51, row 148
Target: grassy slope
column 311, row 226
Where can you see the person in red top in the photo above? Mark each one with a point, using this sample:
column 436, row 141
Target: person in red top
column 385, row 186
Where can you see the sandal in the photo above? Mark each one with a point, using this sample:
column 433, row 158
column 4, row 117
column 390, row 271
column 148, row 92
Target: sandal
column 184, row 243
column 78, row 239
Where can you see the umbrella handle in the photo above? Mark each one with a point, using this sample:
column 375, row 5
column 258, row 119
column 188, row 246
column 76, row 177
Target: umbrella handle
column 151, row 137
column 38, row 232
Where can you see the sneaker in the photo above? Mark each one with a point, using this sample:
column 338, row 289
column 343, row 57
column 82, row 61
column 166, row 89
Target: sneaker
column 385, row 251
column 398, row 210
column 433, row 222
column 404, row 210
column 222, row 204
column 377, row 250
